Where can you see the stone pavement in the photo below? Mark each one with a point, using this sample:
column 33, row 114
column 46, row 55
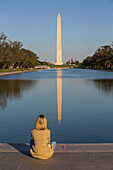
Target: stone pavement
column 66, row 157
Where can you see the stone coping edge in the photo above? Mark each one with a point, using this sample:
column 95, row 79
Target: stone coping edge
column 87, row 147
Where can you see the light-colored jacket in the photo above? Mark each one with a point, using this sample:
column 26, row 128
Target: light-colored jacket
column 41, row 147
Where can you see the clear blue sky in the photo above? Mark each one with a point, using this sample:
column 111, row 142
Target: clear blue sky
column 86, row 25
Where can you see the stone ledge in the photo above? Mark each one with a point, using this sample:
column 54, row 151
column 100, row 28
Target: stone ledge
column 101, row 147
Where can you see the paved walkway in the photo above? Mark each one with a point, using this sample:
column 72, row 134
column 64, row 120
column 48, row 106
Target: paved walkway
column 16, row 72
column 66, row 157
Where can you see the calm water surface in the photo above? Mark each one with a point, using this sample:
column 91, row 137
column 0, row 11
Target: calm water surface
column 77, row 103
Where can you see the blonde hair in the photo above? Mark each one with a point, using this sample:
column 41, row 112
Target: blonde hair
column 41, row 122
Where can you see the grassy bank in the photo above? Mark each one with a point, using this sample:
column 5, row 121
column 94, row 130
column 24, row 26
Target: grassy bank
column 60, row 66
column 11, row 70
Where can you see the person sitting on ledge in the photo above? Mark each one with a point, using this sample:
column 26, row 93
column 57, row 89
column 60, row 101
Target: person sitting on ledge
column 40, row 146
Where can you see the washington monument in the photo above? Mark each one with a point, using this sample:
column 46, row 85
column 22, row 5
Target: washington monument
column 59, row 42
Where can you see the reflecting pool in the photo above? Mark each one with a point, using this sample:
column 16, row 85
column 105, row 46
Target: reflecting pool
column 78, row 105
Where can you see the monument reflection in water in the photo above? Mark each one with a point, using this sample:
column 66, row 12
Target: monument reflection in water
column 59, row 94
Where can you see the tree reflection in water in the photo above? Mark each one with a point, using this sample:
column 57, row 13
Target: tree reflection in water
column 104, row 85
column 12, row 89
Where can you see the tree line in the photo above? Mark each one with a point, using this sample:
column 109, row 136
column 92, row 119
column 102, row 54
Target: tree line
column 102, row 58
column 13, row 55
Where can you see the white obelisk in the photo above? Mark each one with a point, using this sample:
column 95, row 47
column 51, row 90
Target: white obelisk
column 59, row 42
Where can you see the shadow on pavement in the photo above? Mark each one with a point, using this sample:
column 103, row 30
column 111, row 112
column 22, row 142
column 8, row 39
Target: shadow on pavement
column 22, row 148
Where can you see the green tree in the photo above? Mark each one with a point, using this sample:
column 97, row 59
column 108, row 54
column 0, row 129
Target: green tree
column 12, row 54
column 102, row 58
column 15, row 52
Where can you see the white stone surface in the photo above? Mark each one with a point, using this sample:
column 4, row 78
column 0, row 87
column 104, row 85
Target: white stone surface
column 59, row 42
